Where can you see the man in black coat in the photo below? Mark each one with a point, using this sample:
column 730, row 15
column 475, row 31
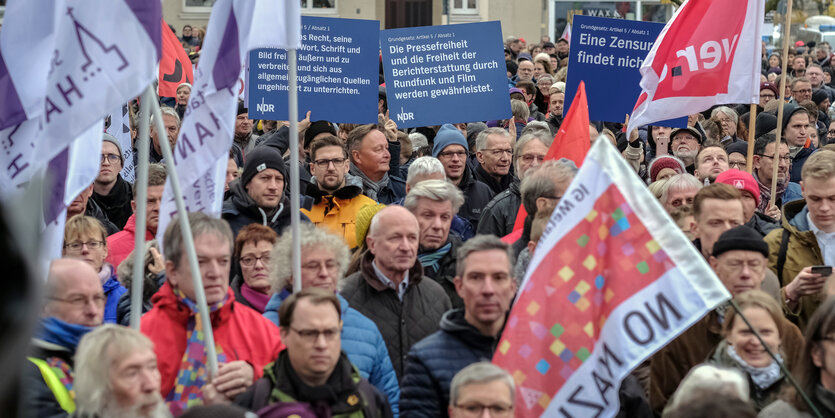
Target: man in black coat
column 258, row 195
column 485, row 282
column 110, row 191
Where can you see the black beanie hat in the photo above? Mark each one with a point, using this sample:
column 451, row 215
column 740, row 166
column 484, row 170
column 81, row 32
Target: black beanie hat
column 738, row 146
column 789, row 110
column 260, row 159
column 316, row 128
column 766, row 122
column 241, row 108
column 819, row 96
column 740, row 238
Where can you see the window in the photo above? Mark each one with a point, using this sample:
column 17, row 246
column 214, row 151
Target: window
column 199, row 3
column 465, row 6
column 318, row 5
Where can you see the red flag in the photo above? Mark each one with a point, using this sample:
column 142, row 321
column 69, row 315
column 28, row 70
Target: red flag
column 571, row 142
column 174, row 66
column 708, row 54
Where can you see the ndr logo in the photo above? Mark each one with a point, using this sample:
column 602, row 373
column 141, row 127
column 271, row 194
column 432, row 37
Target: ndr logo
column 265, row 107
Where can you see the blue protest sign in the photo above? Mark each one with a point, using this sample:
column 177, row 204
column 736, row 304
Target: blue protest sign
column 607, row 54
column 445, row 74
column 338, row 73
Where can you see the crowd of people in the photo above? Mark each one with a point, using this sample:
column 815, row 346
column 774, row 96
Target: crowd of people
column 406, row 282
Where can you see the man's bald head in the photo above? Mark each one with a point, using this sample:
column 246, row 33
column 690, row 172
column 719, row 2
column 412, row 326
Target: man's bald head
column 393, row 239
column 74, row 293
column 390, row 216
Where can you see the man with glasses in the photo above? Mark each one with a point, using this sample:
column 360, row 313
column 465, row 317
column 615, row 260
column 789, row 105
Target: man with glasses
column 768, row 92
column 686, row 143
column 479, row 387
column 452, row 150
column 494, row 151
column 739, row 259
column 313, row 376
column 801, row 90
column 74, row 305
column 484, row 281
column 814, row 73
column 765, row 156
column 110, row 191
column 337, row 195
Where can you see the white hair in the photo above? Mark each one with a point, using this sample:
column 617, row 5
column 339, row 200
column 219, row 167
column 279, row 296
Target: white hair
column 165, row 110
column 481, row 372
column 418, row 140
column 422, row 167
column 312, row 238
column 481, row 139
column 436, row 190
column 706, row 380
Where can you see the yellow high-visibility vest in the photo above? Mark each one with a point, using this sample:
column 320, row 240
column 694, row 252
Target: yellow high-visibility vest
column 65, row 399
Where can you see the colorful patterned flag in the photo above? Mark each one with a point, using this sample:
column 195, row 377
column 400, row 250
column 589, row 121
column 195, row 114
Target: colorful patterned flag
column 612, row 280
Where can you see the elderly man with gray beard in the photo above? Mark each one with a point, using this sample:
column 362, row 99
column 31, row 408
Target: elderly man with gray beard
column 686, row 144
column 117, row 376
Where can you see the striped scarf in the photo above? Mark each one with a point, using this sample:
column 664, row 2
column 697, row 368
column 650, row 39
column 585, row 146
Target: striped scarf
column 63, row 371
column 193, row 371
column 431, row 259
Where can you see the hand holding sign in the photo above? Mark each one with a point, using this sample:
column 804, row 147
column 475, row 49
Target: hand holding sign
column 389, row 126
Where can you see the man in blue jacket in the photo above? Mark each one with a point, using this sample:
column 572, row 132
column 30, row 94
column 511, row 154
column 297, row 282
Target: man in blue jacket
column 469, row 335
column 325, row 259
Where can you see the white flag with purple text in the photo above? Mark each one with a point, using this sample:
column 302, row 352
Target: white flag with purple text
column 202, row 148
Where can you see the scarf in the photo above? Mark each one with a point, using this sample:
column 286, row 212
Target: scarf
column 370, row 187
column 826, row 399
column 58, row 332
column 193, row 373
column 765, row 194
column 105, row 273
column 339, row 395
column 255, row 298
column 763, row 377
column 431, row 259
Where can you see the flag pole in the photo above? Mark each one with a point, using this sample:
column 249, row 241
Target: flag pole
column 752, row 124
column 774, row 357
column 295, row 219
column 188, row 242
column 776, row 159
column 141, row 201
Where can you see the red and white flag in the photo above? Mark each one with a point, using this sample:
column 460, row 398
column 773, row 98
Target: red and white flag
column 610, row 283
column 708, row 54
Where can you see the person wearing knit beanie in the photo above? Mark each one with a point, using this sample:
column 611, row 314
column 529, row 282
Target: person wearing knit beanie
column 446, row 136
column 112, row 139
column 317, row 128
column 741, row 180
column 740, row 238
column 737, row 154
column 665, row 166
column 260, row 159
column 740, row 245
column 766, row 122
column 363, row 221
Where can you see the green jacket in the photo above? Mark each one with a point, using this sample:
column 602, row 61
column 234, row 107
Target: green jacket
column 802, row 251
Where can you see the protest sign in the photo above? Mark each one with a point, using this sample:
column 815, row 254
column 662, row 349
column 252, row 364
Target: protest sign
column 445, row 74
column 607, row 55
column 610, row 283
column 338, row 73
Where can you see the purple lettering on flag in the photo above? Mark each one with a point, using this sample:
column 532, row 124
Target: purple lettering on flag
column 227, row 67
column 148, row 13
column 11, row 109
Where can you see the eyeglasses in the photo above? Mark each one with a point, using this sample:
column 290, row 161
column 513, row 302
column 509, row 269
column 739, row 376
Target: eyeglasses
column 326, row 163
column 312, row 335
column 499, row 152
column 767, row 96
column 785, row 158
column 477, row 410
column 832, row 132
column 736, row 164
column 529, row 158
column 91, row 245
column 111, row 158
column 450, row 154
column 79, row 301
column 250, row 260
column 315, row 266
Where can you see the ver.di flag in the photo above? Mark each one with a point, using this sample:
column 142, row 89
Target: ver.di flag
column 174, row 67
column 202, row 148
column 611, row 282
column 708, row 54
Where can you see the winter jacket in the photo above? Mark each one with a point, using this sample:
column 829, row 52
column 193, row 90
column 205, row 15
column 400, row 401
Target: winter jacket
column 244, row 146
column 113, row 290
column 759, row 397
column 402, row 323
column 242, row 334
column 304, row 175
column 434, row 361
column 392, row 192
column 338, row 211
column 797, row 163
column 801, row 251
column 116, row 204
column 350, row 395
column 445, row 273
column 670, row 364
column 554, row 122
column 762, row 223
column 240, row 210
column 476, row 196
column 120, row 244
column 95, row 211
column 500, row 214
column 497, row 187
column 37, row 398
column 362, row 342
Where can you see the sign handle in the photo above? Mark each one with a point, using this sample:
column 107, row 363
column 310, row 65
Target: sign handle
column 141, row 199
column 776, row 159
